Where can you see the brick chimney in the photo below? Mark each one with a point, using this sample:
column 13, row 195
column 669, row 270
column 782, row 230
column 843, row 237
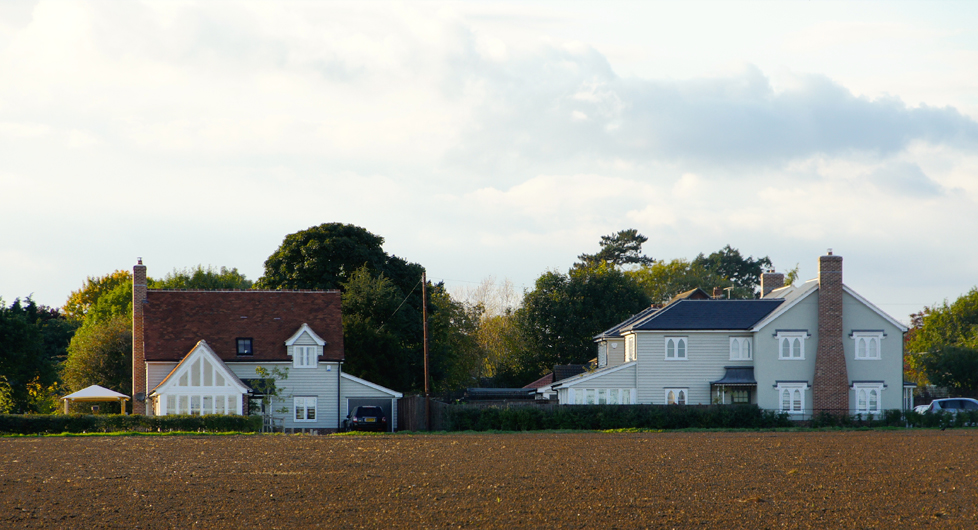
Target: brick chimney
column 770, row 281
column 138, row 351
column 830, row 390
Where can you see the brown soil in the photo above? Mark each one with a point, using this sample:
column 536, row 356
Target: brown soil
column 892, row 479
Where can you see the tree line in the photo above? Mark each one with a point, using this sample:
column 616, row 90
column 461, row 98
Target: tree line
column 490, row 336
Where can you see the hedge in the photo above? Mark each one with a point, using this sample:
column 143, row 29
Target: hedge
column 604, row 417
column 80, row 423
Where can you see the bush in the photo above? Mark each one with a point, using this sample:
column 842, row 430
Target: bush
column 604, row 417
column 79, row 423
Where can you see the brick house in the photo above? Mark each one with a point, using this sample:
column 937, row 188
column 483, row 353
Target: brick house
column 805, row 349
column 199, row 352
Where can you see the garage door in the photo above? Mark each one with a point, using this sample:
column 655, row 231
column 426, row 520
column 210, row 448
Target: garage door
column 383, row 403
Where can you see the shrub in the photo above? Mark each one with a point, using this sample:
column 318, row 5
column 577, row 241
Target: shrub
column 78, row 423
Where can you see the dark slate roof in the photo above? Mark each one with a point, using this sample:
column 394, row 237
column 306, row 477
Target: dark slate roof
column 708, row 314
column 174, row 321
column 614, row 332
column 563, row 371
column 737, row 376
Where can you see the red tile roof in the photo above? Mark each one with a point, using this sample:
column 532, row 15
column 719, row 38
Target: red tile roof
column 546, row 380
column 174, row 321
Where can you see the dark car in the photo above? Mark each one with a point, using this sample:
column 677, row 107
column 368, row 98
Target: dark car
column 952, row 405
column 366, row 418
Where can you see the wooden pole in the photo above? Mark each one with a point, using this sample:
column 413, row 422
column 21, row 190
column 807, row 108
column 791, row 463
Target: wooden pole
column 424, row 320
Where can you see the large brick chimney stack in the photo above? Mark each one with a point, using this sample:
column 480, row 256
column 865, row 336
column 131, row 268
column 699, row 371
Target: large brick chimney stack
column 770, row 281
column 138, row 352
column 830, row 390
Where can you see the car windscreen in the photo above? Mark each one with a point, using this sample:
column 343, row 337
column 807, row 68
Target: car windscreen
column 374, row 412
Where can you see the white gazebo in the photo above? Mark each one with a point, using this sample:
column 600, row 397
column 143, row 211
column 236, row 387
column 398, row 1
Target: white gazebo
column 96, row 393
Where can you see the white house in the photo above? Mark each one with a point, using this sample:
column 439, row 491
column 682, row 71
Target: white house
column 204, row 352
column 816, row 347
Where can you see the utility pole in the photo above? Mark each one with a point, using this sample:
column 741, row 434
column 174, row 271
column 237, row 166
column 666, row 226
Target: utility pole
column 424, row 320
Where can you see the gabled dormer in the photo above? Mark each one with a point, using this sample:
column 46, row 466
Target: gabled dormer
column 305, row 347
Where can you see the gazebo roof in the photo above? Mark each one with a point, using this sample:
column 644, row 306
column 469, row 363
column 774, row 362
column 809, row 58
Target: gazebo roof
column 96, row 393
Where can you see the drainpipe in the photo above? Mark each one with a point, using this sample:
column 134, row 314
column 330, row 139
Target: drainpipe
column 339, row 396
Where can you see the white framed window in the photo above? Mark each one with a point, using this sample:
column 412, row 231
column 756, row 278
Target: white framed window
column 791, row 345
column 869, row 397
column 676, row 349
column 305, row 408
column 305, row 356
column 741, row 349
column 600, row 396
column 868, row 344
column 676, row 396
column 630, row 348
column 791, row 397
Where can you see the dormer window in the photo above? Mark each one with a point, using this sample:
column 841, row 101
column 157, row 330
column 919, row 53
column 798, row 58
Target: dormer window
column 305, row 347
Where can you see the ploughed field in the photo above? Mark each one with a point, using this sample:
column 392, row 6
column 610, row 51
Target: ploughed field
column 857, row 479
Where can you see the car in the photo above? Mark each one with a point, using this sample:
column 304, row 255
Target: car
column 367, row 418
column 952, row 405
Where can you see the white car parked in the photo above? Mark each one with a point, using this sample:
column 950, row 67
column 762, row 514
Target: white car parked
column 952, row 405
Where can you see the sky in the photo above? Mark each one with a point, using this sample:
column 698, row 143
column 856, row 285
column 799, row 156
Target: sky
column 491, row 138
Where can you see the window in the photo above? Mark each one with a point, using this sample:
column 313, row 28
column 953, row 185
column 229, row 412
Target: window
column 867, row 344
column 676, row 348
column 740, row 349
column 868, row 397
column 791, row 345
column 305, row 356
column 305, row 408
column 600, row 396
column 630, row 353
column 675, row 396
column 792, row 397
column 740, row 396
column 244, row 347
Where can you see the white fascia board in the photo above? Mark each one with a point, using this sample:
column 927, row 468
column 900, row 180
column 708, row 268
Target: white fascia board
column 691, row 331
column 781, row 310
column 374, row 386
column 878, row 311
column 570, row 381
column 304, row 328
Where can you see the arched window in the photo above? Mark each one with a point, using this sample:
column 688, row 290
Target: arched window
column 675, row 348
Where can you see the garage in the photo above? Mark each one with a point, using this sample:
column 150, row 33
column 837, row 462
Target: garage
column 384, row 404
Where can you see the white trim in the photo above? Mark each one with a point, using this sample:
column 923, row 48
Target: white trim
column 870, row 337
column 878, row 311
column 305, row 408
column 684, row 341
column 171, row 380
column 741, row 343
column 801, row 387
column 374, row 386
column 783, row 308
column 790, row 337
column 304, row 328
column 868, row 387
column 567, row 383
column 677, row 392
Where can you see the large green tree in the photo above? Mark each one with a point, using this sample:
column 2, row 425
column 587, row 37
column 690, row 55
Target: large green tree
column 202, row 278
column 101, row 354
column 563, row 312
column 743, row 273
column 937, row 328
column 664, row 279
column 620, row 248
column 33, row 341
column 382, row 331
column 953, row 367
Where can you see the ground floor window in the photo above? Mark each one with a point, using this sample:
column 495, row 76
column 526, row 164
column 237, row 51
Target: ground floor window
column 739, row 396
column 676, row 396
column 199, row 404
column 792, row 397
column 601, row 396
column 868, row 398
column 305, row 408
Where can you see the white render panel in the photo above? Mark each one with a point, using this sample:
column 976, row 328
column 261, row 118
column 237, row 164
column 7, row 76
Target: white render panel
column 623, row 378
column 707, row 353
column 156, row 372
column 321, row 382
column 354, row 389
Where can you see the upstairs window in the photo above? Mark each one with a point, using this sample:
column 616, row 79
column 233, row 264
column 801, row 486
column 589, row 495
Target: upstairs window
column 791, row 345
column 867, row 344
column 305, row 356
column 630, row 350
column 740, row 349
column 244, row 347
column 676, row 348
